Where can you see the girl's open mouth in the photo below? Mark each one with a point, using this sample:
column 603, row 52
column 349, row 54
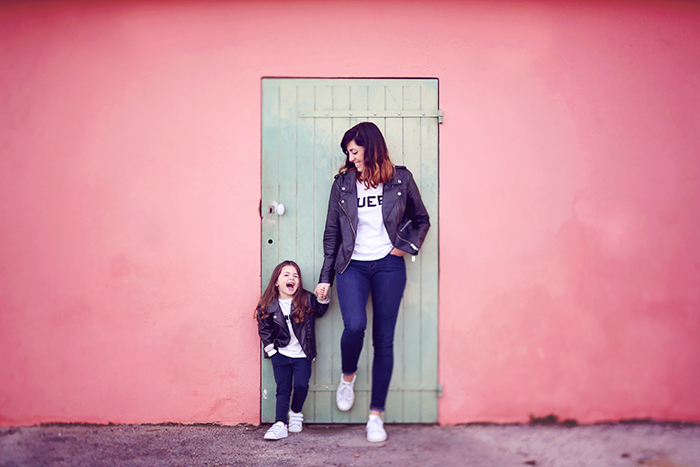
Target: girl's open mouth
column 291, row 286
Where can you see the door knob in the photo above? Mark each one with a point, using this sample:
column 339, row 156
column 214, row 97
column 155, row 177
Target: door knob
column 276, row 208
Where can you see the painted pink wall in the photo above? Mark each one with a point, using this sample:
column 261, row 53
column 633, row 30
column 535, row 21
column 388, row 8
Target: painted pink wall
column 130, row 183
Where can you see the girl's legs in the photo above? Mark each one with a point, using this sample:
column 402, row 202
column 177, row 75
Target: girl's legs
column 282, row 369
column 287, row 370
column 388, row 284
column 301, row 368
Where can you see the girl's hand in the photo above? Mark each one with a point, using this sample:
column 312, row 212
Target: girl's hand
column 322, row 290
column 397, row 252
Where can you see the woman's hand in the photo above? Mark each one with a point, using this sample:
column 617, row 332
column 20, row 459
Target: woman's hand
column 397, row 252
column 322, row 290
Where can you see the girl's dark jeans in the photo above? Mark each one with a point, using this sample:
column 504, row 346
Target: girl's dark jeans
column 287, row 371
column 386, row 280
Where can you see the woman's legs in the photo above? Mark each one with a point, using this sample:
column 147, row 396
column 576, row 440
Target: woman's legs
column 353, row 290
column 388, row 284
column 387, row 280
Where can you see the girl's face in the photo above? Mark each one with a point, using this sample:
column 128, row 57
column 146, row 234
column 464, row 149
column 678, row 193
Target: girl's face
column 287, row 282
column 356, row 155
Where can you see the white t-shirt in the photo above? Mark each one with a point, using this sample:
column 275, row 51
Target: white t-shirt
column 293, row 349
column 372, row 241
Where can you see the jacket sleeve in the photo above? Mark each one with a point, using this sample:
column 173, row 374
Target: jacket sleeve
column 331, row 237
column 416, row 211
column 266, row 332
column 319, row 306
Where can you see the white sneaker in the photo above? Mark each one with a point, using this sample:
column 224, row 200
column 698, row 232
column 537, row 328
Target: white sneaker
column 277, row 431
column 375, row 429
column 345, row 395
column 295, row 422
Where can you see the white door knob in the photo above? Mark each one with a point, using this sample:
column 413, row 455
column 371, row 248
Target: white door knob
column 280, row 209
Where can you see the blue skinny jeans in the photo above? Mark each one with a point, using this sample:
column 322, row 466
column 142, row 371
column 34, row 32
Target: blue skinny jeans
column 386, row 280
column 290, row 371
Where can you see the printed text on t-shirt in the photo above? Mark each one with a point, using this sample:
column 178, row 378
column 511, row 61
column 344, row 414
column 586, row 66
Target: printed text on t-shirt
column 370, row 201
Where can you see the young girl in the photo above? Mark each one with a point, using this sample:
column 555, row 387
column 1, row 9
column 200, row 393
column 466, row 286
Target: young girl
column 286, row 314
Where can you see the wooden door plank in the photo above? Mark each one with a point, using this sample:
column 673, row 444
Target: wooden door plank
column 412, row 336
column 304, row 203
column 430, row 269
column 412, row 298
column 376, row 100
column 323, row 175
column 394, row 406
column 393, row 100
column 341, row 101
column 411, row 406
column 393, row 134
column 269, row 227
column 287, row 170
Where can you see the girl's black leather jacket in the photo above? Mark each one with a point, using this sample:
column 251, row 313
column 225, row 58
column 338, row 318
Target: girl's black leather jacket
column 274, row 333
column 405, row 218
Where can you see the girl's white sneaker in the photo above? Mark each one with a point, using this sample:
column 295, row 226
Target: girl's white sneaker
column 277, row 431
column 296, row 421
column 375, row 429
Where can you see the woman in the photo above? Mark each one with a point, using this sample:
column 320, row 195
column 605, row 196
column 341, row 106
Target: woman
column 375, row 216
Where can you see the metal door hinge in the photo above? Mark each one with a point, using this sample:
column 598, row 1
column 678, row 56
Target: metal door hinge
column 372, row 113
column 439, row 390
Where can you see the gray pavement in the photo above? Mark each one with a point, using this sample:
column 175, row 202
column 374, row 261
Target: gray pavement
column 646, row 444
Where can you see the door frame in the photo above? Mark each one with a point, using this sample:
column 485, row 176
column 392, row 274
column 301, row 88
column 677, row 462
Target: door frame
column 307, row 117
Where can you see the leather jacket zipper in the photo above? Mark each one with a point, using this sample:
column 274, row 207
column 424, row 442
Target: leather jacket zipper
column 415, row 248
column 354, row 235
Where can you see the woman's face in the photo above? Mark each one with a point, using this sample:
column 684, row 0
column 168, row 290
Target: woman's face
column 287, row 282
column 356, row 155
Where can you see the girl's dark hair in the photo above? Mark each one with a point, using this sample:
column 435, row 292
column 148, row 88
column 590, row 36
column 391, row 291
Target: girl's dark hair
column 378, row 165
column 271, row 294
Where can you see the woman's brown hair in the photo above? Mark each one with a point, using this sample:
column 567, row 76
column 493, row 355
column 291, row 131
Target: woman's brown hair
column 378, row 165
column 271, row 294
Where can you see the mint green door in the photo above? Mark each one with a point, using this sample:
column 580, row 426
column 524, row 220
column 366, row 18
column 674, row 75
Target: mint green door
column 303, row 121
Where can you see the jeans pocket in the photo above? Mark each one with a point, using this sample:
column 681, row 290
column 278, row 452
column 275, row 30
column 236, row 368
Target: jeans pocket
column 277, row 358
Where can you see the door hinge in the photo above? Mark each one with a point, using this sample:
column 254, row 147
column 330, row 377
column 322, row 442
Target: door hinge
column 439, row 390
column 372, row 113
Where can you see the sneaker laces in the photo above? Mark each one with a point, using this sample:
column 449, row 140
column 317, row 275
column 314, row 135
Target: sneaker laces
column 375, row 429
column 375, row 424
column 346, row 390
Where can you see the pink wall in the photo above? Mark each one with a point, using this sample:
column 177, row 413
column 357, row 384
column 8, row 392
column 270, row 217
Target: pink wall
column 130, row 182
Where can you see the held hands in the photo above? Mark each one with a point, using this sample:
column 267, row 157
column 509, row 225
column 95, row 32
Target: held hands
column 322, row 290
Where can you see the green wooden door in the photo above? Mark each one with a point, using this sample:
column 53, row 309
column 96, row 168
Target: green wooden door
column 303, row 121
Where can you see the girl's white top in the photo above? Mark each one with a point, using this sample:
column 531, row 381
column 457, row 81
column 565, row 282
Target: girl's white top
column 372, row 241
column 293, row 349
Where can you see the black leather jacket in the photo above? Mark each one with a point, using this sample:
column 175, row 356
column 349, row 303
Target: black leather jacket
column 405, row 218
column 274, row 333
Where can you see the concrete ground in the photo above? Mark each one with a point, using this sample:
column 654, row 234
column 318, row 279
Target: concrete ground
column 605, row 445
